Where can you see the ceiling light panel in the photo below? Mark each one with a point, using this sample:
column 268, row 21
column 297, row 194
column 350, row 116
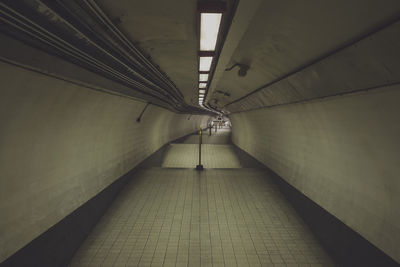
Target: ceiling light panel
column 202, row 85
column 209, row 28
column 203, row 77
column 202, row 91
column 205, row 63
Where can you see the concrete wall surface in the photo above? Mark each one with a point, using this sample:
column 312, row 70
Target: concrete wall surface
column 62, row 143
column 342, row 152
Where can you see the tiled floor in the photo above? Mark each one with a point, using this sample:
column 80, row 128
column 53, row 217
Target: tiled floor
column 181, row 217
column 217, row 217
column 213, row 156
column 222, row 136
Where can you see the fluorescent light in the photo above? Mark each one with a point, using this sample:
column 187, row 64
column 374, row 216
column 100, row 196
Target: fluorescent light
column 209, row 28
column 202, row 91
column 203, row 77
column 202, row 85
column 205, row 63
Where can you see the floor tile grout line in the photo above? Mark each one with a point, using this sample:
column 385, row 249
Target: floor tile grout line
column 141, row 229
column 125, row 239
column 105, row 239
column 241, row 188
column 218, row 219
column 246, row 203
column 104, row 216
column 165, row 213
column 183, row 213
column 235, row 200
column 208, row 212
column 169, row 235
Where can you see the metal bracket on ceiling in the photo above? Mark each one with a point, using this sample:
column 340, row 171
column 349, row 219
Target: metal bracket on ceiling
column 223, row 93
column 243, row 68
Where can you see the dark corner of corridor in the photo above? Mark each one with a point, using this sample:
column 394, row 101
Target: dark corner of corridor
column 199, row 133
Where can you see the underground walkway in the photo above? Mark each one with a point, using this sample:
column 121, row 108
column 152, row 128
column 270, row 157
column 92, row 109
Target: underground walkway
column 230, row 214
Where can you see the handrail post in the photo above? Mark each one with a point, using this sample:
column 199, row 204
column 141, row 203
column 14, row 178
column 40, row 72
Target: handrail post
column 200, row 166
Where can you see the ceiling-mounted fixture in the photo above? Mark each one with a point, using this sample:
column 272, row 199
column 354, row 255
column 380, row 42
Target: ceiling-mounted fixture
column 209, row 28
column 203, row 77
column 210, row 15
column 243, row 68
column 205, row 63
column 223, row 93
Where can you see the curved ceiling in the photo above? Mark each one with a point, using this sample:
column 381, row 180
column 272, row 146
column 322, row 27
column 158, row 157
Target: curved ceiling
column 286, row 36
column 281, row 38
column 295, row 50
column 164, row 30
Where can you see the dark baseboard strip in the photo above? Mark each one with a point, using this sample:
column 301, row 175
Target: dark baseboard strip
column 56, row 246
column 343, row 244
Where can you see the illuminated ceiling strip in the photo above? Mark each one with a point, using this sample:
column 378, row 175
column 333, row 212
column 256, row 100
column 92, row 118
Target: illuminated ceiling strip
column 205, row 63
column 210, row 24
column 203, row 77
column 209, row 29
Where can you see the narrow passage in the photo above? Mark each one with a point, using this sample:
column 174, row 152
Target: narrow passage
column 230, row 214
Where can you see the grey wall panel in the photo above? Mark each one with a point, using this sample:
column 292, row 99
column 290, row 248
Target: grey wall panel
column 61, row 144
column 342, row 152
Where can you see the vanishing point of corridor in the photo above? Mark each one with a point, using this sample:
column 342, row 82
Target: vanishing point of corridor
column 230, row 214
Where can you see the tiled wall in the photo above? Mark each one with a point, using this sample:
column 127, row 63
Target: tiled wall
column 342, row 152
column 61, row 144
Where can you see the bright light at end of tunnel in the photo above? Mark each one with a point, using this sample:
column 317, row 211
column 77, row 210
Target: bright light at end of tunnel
column 209, row 28
column 205, row 63
column 203, row 77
